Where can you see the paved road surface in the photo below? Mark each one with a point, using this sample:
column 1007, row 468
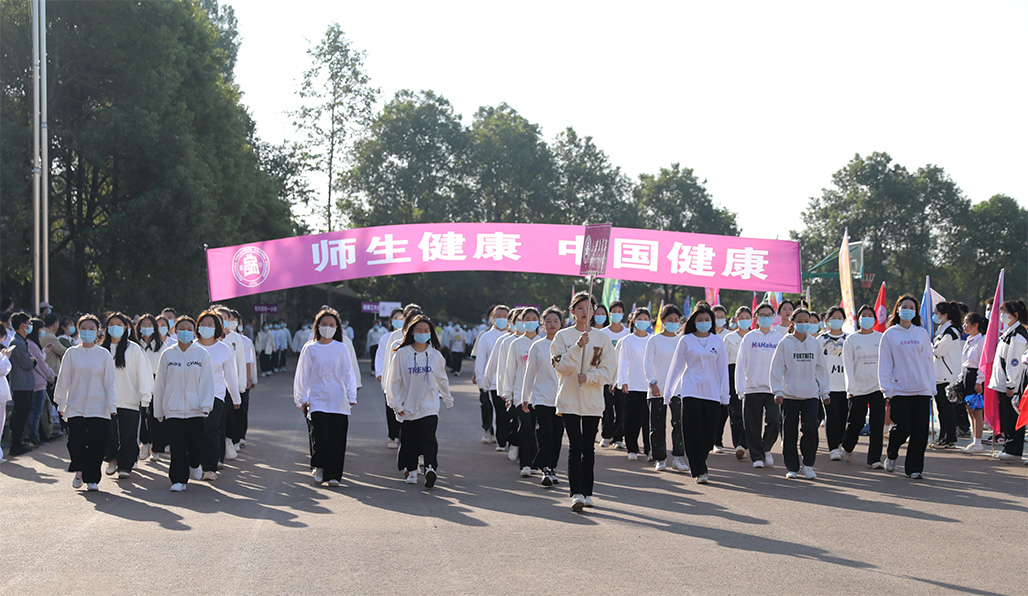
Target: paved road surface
column 264, row 528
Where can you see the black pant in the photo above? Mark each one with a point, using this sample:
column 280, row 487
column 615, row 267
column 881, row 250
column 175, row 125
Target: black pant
column 502, row 420
column 613, row 414
column 417, row 437
column 213, row 445
column 237, row 421
column 373, row 351
column 145, row 434
column 947, row 417
column 1007, row 421
column 392, row 426
column 732, row 413
column 87, row 438
column 487, row 410
column 19, row 418
column 581, row 452
column 755, row 406
column 513, row 423
column 658, row 428
column 699, row 423
column 329, row 445
column 457, row 359
column 549, row 436
column 800, row 416
column 858, row 409
column 836, row 413
column 636, row 422
column 185, row 436
column 123, row 439
column 527, row 448
column 910, row 415
column 158, row 434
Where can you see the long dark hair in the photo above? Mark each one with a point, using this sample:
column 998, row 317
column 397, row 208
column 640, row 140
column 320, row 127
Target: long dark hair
column 37, row 324
column 328, row 312
column 408, row 332
column 895, row 318
column 635, row 315
column 154, row 341
column 690, row 325
column 951, row 310
column 119, row 352
column 1016, row 307
column 219, row 331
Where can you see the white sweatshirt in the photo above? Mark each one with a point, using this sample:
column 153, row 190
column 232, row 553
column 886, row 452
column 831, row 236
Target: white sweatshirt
column 699, row 368
column 566, row 358
column 615, row 337
column 185, row 383
column 1009, row 362
column 798, row 369
column 325, row 379
column 382, row 355
column 659, row 351
column 540, row 384
column 860, row 357
column 134, row 382
column 632, row 362
column 418, row 381
column 153, row 356
column 497, row 362
column 732, row 342
column 5, row 388
column 905, row 362
column 753, row 367
column 513, row 382
column 971, row 358
column 353, row 360
column 484, row 348
column 832, row 347
column 251, row 358
column 223, row 363
column 946, row 348
column 235, row 342
column 85, row 386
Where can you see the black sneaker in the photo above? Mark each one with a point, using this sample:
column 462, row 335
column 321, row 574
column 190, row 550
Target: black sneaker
column 430, row 477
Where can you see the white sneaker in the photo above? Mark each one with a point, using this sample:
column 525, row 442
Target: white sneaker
column 702, row 479
column 112, row 468
column 242, row 442
column 412, row 477
column 230, row 450
column 740, row 452
column 847, row 455
column 486, row 439
column 1004, row 456
column 808, row 472
column 3, row 461
column 178, row 487
column 660, row 466
column 76, row 482
column 394, row 444
column 319, row 475
column 718, row 449
column 333, row 483
column 144, row 451
column 498, row 448
column 877, row 465
column 123, row 475
column 589, row 502
column 973, row 448
column 758, row 464
column 526, row 472
column 633, row 456
column 92, row 487
column 209, row 476
column 678, row 463
column 195, row 473
column 791, row 475
column 835, row 455
column 770, row 461
column 605, row 443
column 155, row 457
column 916, row 476
column 890, row 465
column 577, row 503
column 619, row 445
column 221, row 465
column 512, row 453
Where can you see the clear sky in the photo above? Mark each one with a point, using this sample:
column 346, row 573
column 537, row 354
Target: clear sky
column 764, row 100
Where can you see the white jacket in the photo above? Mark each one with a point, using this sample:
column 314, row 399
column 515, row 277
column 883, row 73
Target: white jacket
column 657, row 362
column 134, row 382
column 566, row 357
column 223, row 363
column 699, row 368
column 185, row 383
column 905, row 362
column 754, row 363
column 325, row 379
column 514, row 372
column 1009, row 362
column 860, row 355
column 418, row 381
column 798, row 369
column 235, row 342
column 497, row 362
column 631, row 352
column 484, row 348
column 540, row 384
column 946, row 348
column 85, row 386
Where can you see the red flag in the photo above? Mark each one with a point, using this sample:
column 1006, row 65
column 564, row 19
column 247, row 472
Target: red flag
column 881, row 311
column 1022, row 418
column 754, row 309
column 989, row 355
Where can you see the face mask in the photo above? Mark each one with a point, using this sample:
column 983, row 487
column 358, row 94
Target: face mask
column 146, row 331
column 642, row 325
column 326, row 331
column 820, row 325
column 867, row 322
column 600, row 319
column 422, row 338
column 988, row 314
column 672, row 327
column 87, row 336
column 531, row 326
column 116, row 331
column 397, row 324
column 720, row 322
column 29, row 330
column 703, row 326
column 501, row 324
column 71, row 330
column 765, row 322
column 744, row 324
column 205, row 332
column 231, row 325
column 907, row 314
column 835, row 324
column 936, row 319
column 1005, row 318
column 163, row 330
column 519, row 327
column 184, row 336
column 615, row 317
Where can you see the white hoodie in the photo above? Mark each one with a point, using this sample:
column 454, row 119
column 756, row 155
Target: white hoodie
column 699, row 368
column 497, row 363
column 513, row 381
column 134, row 382
column 85, row 386
column 631, row 362
column 223, row 362
column 1009, row 362
column 659, row 351
column 540, row 385
column 325, row 378
column 185, row 383
column 418, row 380
column 946, row 348
column 860, row 357
column 754, row 363
column 905, row 362
column 484, row 348
column 798, row 369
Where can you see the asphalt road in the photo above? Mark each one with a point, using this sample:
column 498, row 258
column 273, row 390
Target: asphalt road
column 264, row 528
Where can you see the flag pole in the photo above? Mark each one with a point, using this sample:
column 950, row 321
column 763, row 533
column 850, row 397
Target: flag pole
column 591, row 310
column 35, row 155
column 44, row 181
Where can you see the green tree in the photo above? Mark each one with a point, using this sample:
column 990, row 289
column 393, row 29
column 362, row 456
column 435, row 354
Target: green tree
column 991, row 237
column 588, row 188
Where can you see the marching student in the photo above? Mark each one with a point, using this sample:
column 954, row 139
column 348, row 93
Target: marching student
column 325, row 390
column 1008, row 375
column 613, row 429
column 246, row 361
column 457, row 345
column 785, row 310
column 631, row 380
column 395, row 324
column 539, row 393
column 906, row 373
column 860, row 363
column 657, row 360
column 799, row 376
column 133, row 385
column 151, row 332
column 226, row 384
column 972, row 379
column 752, row 374
column 483, row 348
column 722, row 329
column 497, row 365
column 417, row 382
column 183, row 397
column 494, row 357
column 513, row 383
column 265, row 346
column 946, row 348
column 699, row 375
column 743, row 320
column 583, row 360
column 163, row 330
column 86, row 398
column 836, row 409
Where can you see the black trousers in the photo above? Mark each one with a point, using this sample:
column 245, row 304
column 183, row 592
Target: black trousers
column 613, row 414
column 754, row 407
column 658, row 428
column 732, row 413
column 144, row 425
column 87, row 438
column 1007, row 421
column 947, row 415
column 329, row 443
column 373, row 351
column 859, row 407
column 487, row 410
column 836, row 414
column 910, row 415
column 513, row 424
column 185, row 436
column 213, row 447
column 549, row 435
column 700, row 418
column 800, row 417
column 236, row 421
column 123, row 439
column 581, row 452
column 417, row 437
column 457, row 359
column 19, row 418
column 502, row 419
column 392, row 425
column 637, row 421
column 158, row 434
column 527, row 448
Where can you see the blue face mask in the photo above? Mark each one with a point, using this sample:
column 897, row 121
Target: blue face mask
column 720, row 322
column 867, row 322
column 501, row 324
column 672, row 327
column 703, row 326
column 615, row 317
column 422, row 338
column 519, row 327
column 836, row 324
column 600, row 319
column 146, row 331
column 29, row 330
column 184, row 336
column 115, row 331
column 397, row 324
column 744, row 324
column 205, row 332
column 71, row 330
column 907, row 314
column 531, row 326
column 642, row 325
column 765, row 322
column 87, row 336
column 936, row 319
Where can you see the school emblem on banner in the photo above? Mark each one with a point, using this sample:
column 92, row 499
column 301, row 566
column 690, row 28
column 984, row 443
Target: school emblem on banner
column 251, row 266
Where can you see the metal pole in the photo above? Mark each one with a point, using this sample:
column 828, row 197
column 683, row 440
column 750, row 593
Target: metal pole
column 35, row 154
column 44, row 181
column 590, row 302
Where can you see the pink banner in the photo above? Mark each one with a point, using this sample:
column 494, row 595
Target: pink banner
column 700, row 260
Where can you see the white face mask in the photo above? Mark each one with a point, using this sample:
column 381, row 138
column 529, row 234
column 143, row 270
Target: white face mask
column 1005, row 318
